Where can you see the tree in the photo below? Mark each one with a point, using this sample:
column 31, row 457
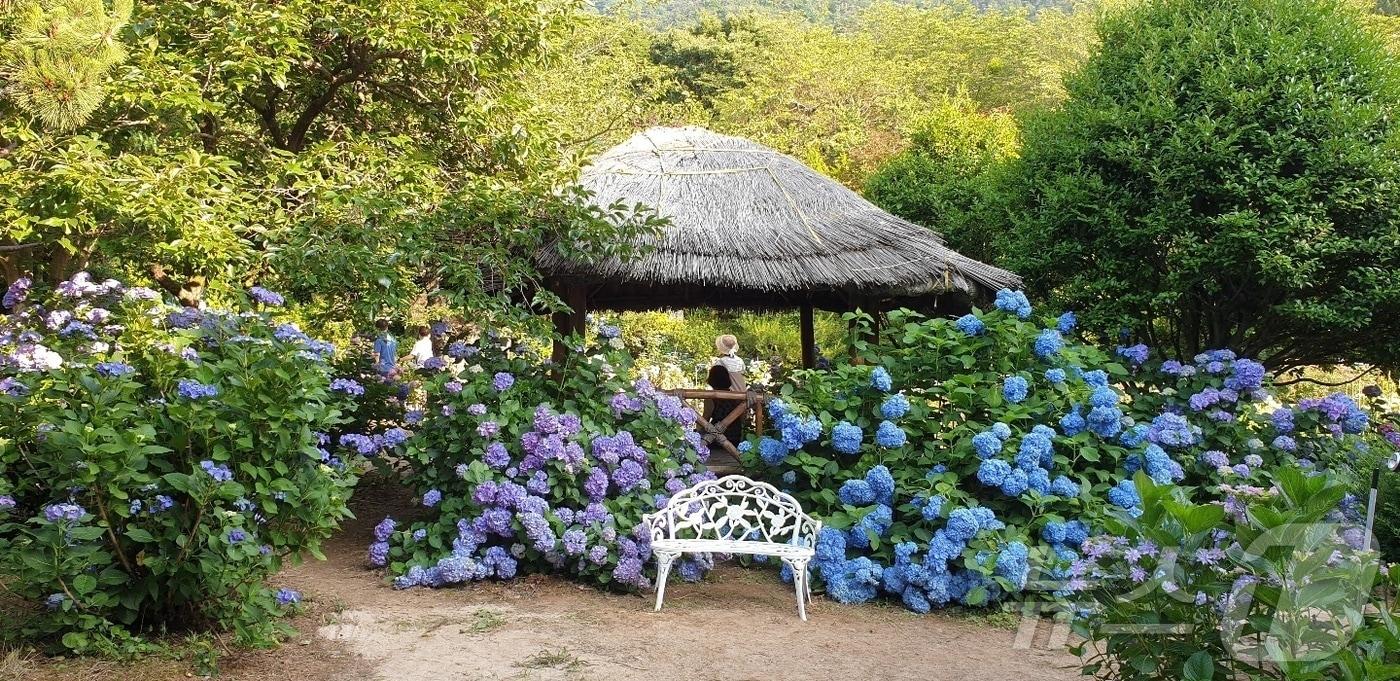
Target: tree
column 944, row 180
column 351, row 152
column 1224, row 173
column 707, row 59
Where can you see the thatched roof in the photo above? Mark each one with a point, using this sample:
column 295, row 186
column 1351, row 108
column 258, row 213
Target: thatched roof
column 745, row 217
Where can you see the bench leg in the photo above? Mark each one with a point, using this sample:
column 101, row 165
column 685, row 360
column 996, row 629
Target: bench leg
column 801, row 586
column 663, row 568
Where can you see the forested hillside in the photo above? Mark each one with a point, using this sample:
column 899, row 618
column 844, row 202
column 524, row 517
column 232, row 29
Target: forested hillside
column 835, row 12
column 843, row 99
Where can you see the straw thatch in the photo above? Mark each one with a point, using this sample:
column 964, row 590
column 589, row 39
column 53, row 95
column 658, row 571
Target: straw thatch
column 745, row 217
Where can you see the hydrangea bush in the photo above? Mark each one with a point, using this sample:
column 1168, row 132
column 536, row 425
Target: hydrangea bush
column 157, row 462
column 967, row 458
column 524, row 467
column 1270, row 584
column 964, row 452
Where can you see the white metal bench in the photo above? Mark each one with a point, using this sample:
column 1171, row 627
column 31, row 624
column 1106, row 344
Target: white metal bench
column 735, row 515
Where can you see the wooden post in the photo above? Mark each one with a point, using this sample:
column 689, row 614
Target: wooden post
column 571, row 322
column 809, row 338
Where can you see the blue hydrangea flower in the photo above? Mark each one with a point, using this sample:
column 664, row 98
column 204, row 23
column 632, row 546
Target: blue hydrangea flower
column 846, row 437
column 1001, row 430
column 1171, row 430
column 1011, row 564
column 856, row 492
column 1048, row 343
column 882, row 483
column 772, row 451
column 890, row 436
column 1246, row 374
column 1015, row 483
column 986, row 444
column 992, row 472
column 1015, row 389
column 502, row 381
column 1214, row 459
column 894, row 407
column 1055, row 376
column 932, row 508
column 431, row 498
column 880, row 380
column 970, row 325
column 218, row 472
column 194, row 390
column 1105, row 422
column 1285, row 443
column 1103, row 396
column 1125, row 495
column 1063, row 486
column 348, row 386
column 1073, row 423
column 113, row 369
column 1136, row 355
column 1014, row 302
column 963, row 522
column 1097, row 378
column 288, row 597
column 1066, row 322
column 1037, row 448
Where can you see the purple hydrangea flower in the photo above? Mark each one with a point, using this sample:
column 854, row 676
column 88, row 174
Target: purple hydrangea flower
column 194, row 390
column 288, row 597
column 113, row 369
column 66, row 512
column 266, row 297
column 348, row 386
column 16, row 293
column 218, row 472
column 502, row 381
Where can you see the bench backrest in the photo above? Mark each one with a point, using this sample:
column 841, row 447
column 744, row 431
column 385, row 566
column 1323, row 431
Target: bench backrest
column 734, row 508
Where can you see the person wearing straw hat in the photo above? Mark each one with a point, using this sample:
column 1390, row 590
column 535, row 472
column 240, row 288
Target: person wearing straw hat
column 727, row 373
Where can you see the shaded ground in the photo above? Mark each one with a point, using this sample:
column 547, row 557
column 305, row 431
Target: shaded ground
column 739, row 624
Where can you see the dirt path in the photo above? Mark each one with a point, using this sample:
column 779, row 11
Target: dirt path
column 739, row 624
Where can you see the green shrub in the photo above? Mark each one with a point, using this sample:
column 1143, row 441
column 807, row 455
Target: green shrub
column 1261, row 586
column 156, row 463
column 1223, row 174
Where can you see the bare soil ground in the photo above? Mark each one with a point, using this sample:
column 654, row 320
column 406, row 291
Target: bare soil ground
column 739, row 624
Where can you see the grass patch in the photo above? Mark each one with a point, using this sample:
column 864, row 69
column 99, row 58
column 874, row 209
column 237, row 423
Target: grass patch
column 552, row 659
column 483, row 621
column 995, row 619
column 14, row 665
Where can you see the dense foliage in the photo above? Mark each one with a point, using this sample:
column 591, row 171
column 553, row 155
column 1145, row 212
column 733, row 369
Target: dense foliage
column 946, row 179
column 978, row 453
column 523, row 470
column 1222, row 174
column 331, row 148
column 843, row 100
column 1261, row 587
column 158, row 462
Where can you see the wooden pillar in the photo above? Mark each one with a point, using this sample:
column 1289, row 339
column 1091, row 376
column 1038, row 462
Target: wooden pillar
column 571, row 322
column 809, row 338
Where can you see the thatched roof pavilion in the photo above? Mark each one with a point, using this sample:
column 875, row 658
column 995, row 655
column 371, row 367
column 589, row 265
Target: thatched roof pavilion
column 751, row 227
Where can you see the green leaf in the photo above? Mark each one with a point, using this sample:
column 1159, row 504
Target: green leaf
column 84, row 583
column 140, row 535
column 1199, row 667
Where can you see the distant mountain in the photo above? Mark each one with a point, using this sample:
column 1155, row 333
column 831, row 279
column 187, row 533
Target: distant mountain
column 833, row 12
